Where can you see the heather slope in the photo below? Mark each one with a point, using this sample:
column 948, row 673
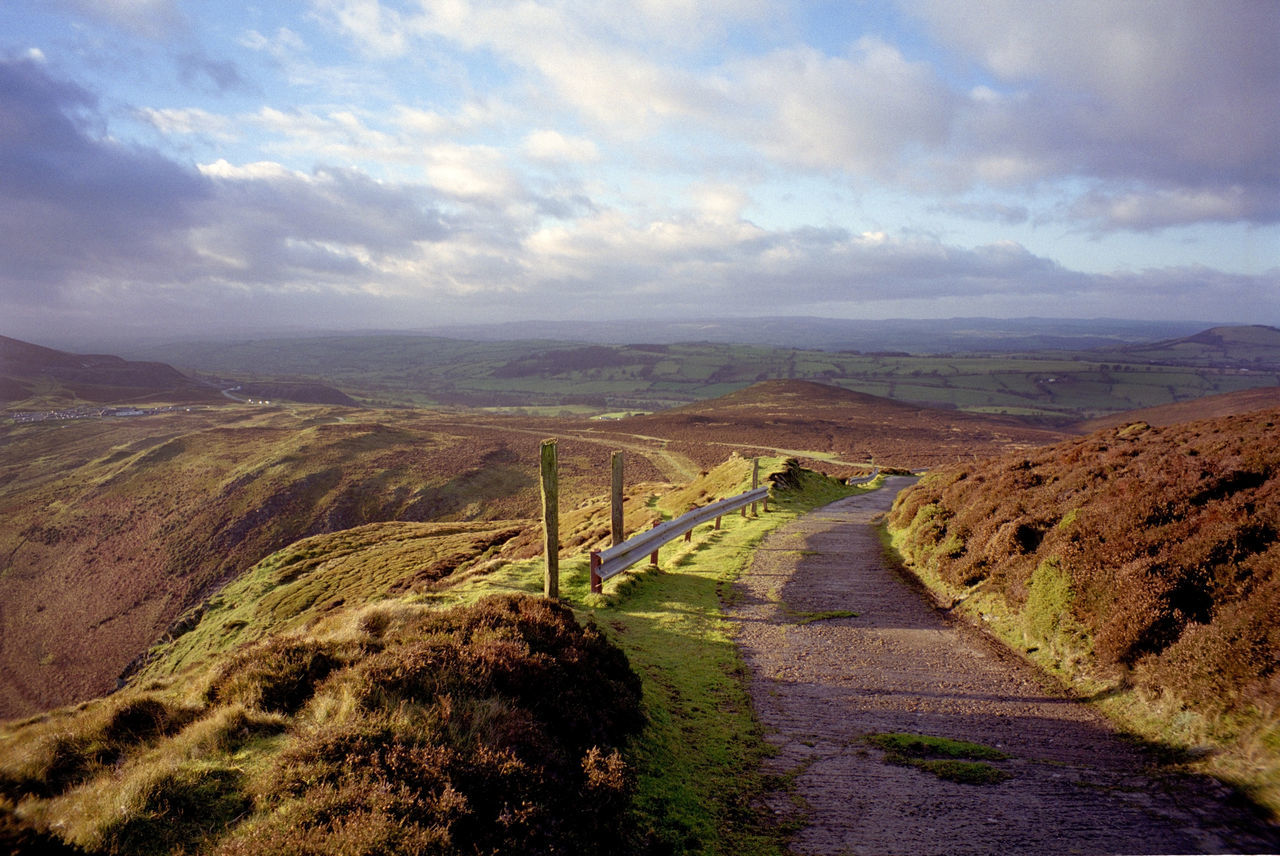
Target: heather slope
column 1140, row 562
column 110, row 529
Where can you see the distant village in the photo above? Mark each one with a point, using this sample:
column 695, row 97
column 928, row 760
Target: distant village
column 91, row 412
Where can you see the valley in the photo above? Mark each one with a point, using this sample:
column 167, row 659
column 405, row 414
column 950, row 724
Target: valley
column 138, row 554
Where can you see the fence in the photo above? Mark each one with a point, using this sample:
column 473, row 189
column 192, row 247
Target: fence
column 613, row 561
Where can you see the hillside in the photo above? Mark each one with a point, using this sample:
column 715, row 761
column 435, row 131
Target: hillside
column 1251, row 347
column 847, row 429
column 112, row 529
column 30, row 371
column 1209, row 407
column 358, row 692
column 1141, row 562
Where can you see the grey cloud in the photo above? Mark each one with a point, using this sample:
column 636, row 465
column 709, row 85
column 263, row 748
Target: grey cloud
column 74, row 203
column 989, row 211
column 82, row 216
column 211, row 75
column 1175, row 98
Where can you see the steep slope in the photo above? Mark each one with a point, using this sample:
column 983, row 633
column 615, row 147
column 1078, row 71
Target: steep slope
column 110, row 529
column 1138, row 560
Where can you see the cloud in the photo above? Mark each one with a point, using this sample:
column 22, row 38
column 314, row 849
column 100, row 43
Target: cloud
column 1149, row 210
column 150, row 19
column 862, row 113
column 71, row 201
column 1174, row 100
column 211, row 75
column 553, row 147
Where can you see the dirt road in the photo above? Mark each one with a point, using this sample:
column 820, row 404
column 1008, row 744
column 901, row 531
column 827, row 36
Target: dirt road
column 821, row 685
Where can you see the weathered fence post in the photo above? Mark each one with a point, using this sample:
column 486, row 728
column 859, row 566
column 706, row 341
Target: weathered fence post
column 755, row 483
column 551, row 519
column 653, row 557
column 597, row 584
column 618, row 536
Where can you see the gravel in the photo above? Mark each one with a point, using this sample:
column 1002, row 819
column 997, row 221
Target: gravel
column 900, row 665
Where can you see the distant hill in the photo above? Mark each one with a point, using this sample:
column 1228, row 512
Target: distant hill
column 1209, row 407
column 912, row 335
column 48, row 378
column 1045, row 371
column 791, row 416
column 28, row 370
column 1253, row 347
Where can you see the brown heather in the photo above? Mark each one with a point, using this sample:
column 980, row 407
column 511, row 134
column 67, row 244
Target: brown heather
column 493, row 728
column 1139, row 556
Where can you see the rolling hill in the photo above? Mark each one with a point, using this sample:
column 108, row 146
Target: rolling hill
column 112, row 529
column 566, row 376
column 49, row 376
column 832, row 428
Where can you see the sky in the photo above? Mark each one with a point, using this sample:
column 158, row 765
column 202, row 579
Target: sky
column 195, row 168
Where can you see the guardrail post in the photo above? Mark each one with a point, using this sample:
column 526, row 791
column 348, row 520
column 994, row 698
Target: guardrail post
column 551, row 519
column 653, row 557
column 597, row 584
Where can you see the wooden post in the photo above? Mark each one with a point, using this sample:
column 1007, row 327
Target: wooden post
column 616, row 518
column 551, row 519
column 653, row 557
column 597, row 584
column 755, row 481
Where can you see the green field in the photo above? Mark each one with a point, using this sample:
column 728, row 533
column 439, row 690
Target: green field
column 419, row 371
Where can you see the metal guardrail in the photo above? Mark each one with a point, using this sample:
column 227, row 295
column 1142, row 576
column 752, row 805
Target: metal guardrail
column 613, row 561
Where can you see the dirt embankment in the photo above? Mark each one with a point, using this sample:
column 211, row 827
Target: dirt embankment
column 823, row 681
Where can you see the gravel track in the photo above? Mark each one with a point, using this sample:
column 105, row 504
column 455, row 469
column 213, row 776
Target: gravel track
column 820, row 686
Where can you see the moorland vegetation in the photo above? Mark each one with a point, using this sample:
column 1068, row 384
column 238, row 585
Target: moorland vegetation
column 471, row 716
column 1140, row 563
column 376, row 561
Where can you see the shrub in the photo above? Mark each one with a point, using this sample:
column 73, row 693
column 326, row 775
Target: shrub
column 278, row 675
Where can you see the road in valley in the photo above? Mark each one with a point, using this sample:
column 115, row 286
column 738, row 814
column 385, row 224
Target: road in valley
column 821, row 686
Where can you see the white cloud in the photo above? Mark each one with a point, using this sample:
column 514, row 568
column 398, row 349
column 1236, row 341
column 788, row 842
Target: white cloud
column 378, row 29
column 861, row 113
column 552, row 146
column 188, row 120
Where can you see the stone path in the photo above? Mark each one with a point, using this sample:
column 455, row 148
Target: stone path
column 821, row 686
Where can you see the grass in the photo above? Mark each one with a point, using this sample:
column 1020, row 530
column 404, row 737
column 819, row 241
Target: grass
column 953, row 760
column 229, row 741
column 699, row 755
